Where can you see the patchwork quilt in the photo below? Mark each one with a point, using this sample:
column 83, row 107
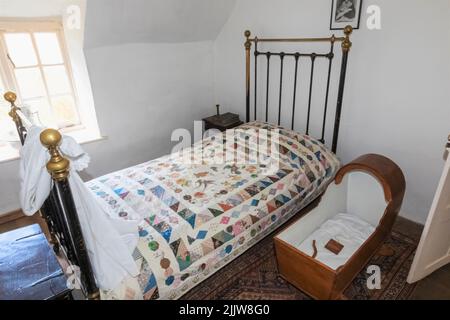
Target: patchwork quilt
column 205, row 205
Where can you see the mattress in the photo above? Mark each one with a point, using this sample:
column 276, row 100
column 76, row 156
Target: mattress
column 347, row 229
column 199, row 213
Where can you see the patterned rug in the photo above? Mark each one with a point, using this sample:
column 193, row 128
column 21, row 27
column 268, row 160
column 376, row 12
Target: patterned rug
column 254, row 276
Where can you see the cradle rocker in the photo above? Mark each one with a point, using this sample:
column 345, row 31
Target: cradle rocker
column 324, row 250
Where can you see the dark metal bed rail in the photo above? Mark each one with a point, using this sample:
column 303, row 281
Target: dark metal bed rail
column 59, row 210
column 297, row 56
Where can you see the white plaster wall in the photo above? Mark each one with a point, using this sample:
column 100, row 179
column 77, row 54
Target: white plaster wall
column 397, row 92
column 142, row 93
column 33, row 8
column 112, row 22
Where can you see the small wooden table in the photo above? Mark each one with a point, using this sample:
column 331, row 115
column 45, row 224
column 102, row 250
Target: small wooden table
column 29, row 269
column 223, row 121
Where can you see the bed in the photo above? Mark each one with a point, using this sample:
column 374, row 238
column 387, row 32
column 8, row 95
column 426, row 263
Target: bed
column 198, row 215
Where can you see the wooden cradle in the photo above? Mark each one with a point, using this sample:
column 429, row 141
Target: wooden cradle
column 371, row 187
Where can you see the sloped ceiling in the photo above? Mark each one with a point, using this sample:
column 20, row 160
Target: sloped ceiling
column 111, row 22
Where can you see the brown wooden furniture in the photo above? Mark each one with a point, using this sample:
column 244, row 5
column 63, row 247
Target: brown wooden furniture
column 371, row 185
column 29, row 269
column 222, row 122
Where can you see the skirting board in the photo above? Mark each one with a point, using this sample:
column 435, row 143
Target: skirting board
column 414, row 217
column 11, row 216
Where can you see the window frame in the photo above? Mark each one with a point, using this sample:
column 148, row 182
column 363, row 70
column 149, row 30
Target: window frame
column 71, row 43
column 31, row 26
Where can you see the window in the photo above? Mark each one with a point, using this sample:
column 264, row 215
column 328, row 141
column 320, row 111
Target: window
column 37, row 65
column 8, row 134
column 34, row 63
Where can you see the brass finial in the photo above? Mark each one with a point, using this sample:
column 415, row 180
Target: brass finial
column 58, row 166
column 347, row 44
column 248, row 43
column 348, row 30
column 11, row 97
column 94, row 296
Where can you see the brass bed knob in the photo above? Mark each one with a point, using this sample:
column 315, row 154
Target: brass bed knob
column 347, row 44
column 58, row 166
column 50, row 138
column 10, row 96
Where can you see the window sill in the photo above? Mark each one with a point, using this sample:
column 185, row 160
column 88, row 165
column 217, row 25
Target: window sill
column 9, row 154
column 83, row 135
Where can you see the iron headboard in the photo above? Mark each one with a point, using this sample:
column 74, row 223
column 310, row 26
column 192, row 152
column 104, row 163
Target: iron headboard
column 345, row 44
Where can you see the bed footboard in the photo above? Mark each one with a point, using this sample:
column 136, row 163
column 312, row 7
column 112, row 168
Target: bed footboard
column 59, row 210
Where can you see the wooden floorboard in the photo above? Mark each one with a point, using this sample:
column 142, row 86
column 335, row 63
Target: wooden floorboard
column 17, row 220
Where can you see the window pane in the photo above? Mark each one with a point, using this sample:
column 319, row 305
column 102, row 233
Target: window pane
column 65, row 112
column 4, row 105
column 30, row 83
column 48, row 47
column 20, row 49
column 8, row 131
column 7, row 128
column 57, row 80
column 41, row 112
column 2, row 90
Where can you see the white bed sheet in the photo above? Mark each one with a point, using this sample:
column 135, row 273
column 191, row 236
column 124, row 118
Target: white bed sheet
column 347, row 229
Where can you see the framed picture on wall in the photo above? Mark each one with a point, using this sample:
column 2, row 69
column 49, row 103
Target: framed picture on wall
column 345, row 12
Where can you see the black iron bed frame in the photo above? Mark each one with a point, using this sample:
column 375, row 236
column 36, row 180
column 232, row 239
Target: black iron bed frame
column 345, row 44
column 59, row 210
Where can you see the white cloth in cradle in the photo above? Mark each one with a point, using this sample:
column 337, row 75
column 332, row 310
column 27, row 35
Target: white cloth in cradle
column 347, row 229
